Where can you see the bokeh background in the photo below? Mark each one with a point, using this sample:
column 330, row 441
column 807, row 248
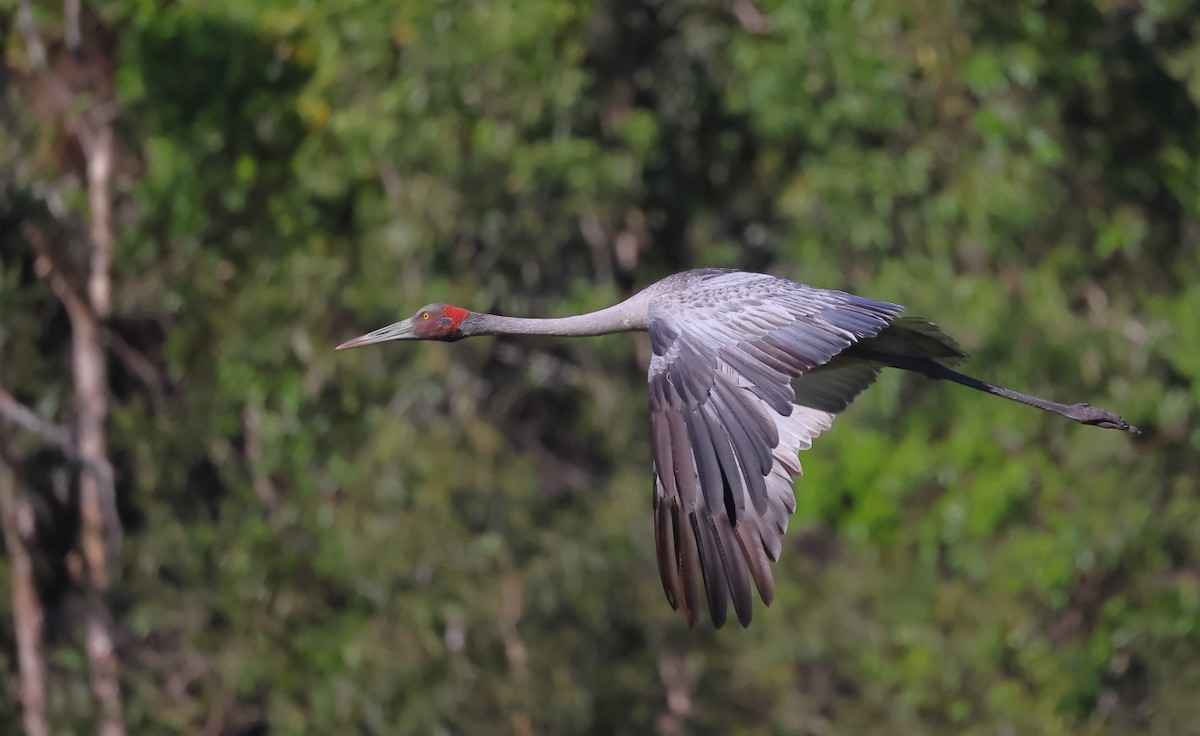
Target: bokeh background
column 455, row 539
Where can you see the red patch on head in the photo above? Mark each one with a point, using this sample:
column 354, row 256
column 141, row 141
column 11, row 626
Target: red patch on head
column 456, row 315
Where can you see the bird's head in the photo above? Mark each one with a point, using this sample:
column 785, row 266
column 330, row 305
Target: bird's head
column 431, row 322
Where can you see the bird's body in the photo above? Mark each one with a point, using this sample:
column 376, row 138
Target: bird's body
column 747, row 369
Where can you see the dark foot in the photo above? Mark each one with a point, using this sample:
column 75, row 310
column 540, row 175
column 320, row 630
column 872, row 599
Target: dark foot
column 1097, row 417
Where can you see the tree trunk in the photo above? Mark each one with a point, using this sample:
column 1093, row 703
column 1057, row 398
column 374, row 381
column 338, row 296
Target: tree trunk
column 96, row 502
column 16, row 519
column 100, row 531
column 86, row 304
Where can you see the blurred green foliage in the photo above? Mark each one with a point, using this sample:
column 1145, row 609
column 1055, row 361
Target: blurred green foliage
column 454, row 538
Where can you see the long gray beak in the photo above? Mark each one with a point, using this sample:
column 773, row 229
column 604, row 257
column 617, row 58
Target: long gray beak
column 397, row 331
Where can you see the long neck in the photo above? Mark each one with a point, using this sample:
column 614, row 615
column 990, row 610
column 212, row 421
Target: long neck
column 628, row 316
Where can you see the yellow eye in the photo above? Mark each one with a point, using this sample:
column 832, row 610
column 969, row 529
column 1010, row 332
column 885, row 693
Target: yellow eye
column 424, row 315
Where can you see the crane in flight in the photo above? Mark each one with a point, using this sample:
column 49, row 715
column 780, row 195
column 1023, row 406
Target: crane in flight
column 747, row 369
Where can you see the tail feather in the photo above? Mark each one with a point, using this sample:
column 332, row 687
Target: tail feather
column 913, row 337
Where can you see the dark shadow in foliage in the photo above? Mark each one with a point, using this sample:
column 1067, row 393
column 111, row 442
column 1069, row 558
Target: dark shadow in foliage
column 215, row 58
column 1132, row 102
column 228, row 94
column 705, row 160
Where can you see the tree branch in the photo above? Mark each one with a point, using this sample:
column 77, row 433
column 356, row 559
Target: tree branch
column 24, row 417
column 136, row 363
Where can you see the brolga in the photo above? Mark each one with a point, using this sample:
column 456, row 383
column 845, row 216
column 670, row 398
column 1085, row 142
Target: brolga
column 747, row 369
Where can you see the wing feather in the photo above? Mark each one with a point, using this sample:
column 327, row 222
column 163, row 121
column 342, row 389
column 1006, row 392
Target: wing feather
column 689, row 565
column 708, row 463
column 766, row 382
column 757, row 558
column 734, row 563
column 738, row 387
column 731, row 471
column 711, row 568
column 749, row 461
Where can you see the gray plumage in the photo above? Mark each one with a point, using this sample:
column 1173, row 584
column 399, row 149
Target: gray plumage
column 747, row 369
column 725, row 424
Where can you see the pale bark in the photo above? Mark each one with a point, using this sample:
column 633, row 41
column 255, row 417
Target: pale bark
column 99, row 150
column 86, row 304
column 100, row 526
column 71, row 35
column 33, row 41
column 267, row 494
column 100, row 530
column 14, row 411
column 679, row 682
column 17, row 521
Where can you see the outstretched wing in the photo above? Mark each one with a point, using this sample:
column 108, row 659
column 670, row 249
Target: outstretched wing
column 727, row 423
